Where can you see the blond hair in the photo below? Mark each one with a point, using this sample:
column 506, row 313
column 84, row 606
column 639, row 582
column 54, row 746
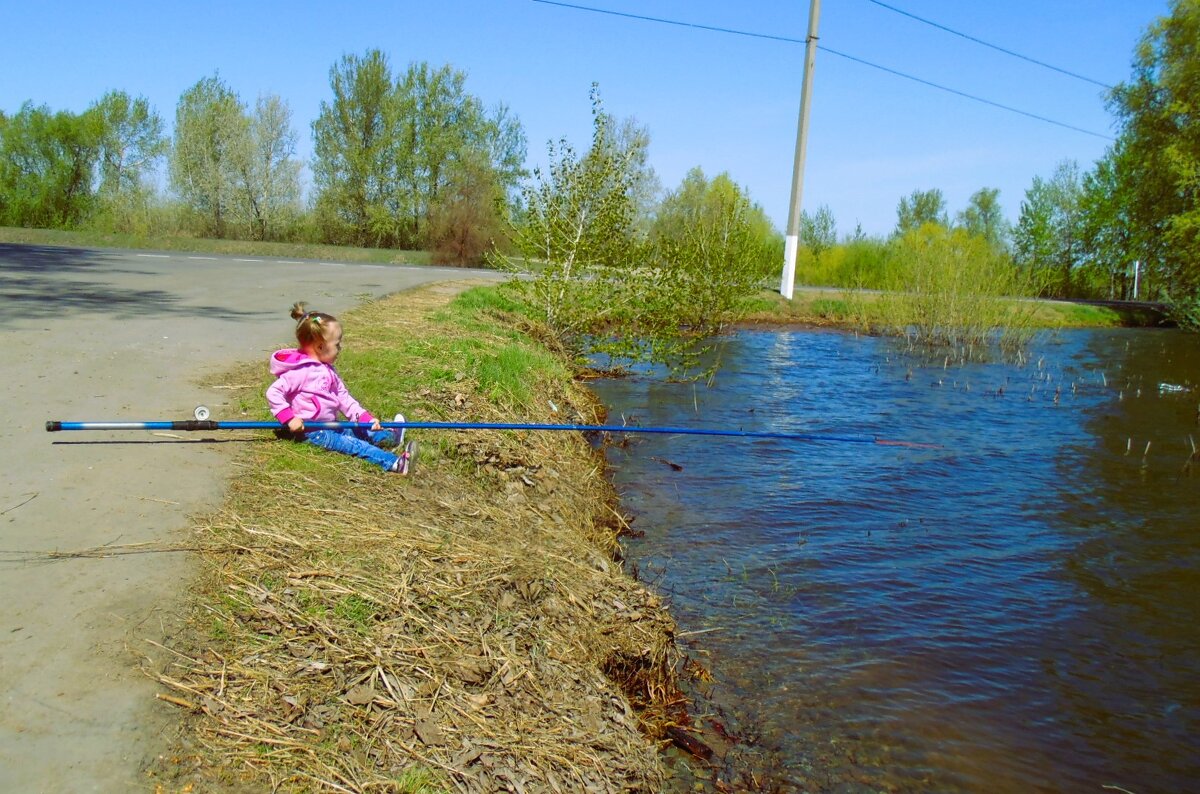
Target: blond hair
column 312, row 328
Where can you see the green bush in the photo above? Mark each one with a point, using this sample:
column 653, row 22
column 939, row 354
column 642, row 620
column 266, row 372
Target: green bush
column 948, row 288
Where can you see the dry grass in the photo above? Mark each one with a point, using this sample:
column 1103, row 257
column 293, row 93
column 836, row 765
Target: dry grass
column 463, row 629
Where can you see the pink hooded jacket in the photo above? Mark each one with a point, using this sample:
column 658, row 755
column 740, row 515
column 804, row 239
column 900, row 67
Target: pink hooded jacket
column 309, row 389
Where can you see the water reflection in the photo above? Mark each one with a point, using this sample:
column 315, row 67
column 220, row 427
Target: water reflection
column 1015, row 611
column 1136, row 638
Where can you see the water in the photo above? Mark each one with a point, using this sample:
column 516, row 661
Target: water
column 1017, row 611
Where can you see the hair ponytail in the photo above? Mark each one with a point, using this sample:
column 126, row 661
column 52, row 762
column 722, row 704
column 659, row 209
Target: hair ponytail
column 311, row 327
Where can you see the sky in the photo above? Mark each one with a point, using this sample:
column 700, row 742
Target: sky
column 720, row 101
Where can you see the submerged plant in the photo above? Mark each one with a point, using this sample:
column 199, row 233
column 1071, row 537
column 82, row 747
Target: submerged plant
column 951, row 290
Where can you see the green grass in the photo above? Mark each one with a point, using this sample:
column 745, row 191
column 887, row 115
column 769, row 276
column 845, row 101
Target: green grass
column 392, row 370
column 357, row 611
column 1080, row 315
column 420, row 780
column 85, row 239
column 822, row 307
column 485, row 299
column 508, row 375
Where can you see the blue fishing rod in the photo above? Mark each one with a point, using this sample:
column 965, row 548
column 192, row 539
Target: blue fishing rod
column 203, row 423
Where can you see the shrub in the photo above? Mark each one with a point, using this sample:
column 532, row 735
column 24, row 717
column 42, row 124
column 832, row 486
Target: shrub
column 948, row 288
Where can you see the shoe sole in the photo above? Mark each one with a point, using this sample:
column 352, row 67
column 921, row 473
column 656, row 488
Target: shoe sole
column 410, row 456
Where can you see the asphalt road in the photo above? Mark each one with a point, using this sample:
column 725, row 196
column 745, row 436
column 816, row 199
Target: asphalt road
column 89, row 335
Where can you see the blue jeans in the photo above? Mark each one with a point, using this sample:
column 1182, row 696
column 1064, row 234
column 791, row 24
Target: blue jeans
column 358, row 442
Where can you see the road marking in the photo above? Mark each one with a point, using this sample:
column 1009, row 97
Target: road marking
column 375, row 267
column 205, row 258
column 290, row 262
column 156, row 256
column 247, row 260
column 331, row 264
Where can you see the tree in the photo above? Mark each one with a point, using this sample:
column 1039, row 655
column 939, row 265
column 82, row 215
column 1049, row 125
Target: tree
column 1159, row 110
column 984, row 218
column 1047, row 239
column 704, row 273
column 920, row 208
column 47, row 163
column 5, row 198
column 354, row 152
column 952, row 289
column 818, row 232
column 467, row 220
column 699, row 201
column 578, row 217
column 441, row 127
column 679, row 206
column 211, row 140
column 631, row 140
column 131, row 142
column 386, row 151
column 604, row 288
column 1107, row 229
column 508, row 149
column 266, row 179
column 863, row 261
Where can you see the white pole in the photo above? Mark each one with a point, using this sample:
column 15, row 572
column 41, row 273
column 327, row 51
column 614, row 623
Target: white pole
column 788, row 279
column 1137, row 266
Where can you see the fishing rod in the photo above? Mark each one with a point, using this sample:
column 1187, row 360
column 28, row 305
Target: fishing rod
column 203, row 423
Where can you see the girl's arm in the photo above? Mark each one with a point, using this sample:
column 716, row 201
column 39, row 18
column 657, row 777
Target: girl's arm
column 349, row 406
column 279, row 398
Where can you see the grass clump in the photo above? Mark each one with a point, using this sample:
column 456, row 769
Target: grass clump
column 462, row 629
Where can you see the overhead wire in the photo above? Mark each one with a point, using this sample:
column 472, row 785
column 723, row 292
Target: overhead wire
column 996, row 47
column 823, row 48
column 966, row 95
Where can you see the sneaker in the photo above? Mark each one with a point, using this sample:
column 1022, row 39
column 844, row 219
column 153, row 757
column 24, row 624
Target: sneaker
column 409, row 456
column 397, row 432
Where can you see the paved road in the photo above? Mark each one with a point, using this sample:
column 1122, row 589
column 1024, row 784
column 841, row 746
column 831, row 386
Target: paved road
column 96, row 335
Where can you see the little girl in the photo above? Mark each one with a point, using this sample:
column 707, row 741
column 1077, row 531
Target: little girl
column 308, row 388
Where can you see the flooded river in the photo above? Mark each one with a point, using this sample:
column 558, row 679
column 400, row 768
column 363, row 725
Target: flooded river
column 1018, row 610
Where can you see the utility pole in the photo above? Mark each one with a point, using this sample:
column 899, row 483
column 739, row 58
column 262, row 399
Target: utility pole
column 793, row 229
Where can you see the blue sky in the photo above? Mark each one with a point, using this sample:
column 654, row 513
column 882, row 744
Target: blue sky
column 719, row 101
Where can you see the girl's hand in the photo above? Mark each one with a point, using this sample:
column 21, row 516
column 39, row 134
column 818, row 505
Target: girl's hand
column 295, row 424
column 376, row 426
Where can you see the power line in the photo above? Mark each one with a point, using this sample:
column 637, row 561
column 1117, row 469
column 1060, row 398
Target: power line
column 671, row 22
column 966, row 95
column 996, row 47
column 789, row 40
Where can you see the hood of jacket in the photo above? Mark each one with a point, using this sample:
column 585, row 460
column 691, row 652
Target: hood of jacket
column 287, row 360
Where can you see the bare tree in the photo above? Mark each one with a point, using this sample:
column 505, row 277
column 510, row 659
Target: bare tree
column 267, row 175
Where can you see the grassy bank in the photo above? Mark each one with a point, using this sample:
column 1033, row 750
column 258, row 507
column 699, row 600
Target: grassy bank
column 843, row 309
column 462, row 629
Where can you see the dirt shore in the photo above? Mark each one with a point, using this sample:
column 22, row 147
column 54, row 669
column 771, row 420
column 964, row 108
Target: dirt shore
column 105, row 335
column 474, row 635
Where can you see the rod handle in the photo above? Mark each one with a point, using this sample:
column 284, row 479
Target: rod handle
column 195, row 424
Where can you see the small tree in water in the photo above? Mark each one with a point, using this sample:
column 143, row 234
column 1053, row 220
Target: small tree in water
column 954, row 289
column 578, row 219
column 603, row 286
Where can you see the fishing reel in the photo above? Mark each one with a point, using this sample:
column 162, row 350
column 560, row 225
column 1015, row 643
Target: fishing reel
column 201, row 413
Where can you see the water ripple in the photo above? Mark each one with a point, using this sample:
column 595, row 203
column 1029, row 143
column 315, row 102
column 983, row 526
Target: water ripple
column 1017, row 610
